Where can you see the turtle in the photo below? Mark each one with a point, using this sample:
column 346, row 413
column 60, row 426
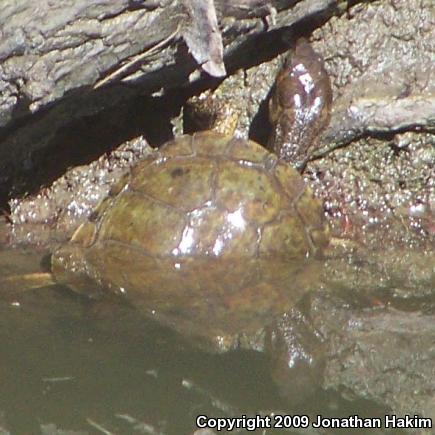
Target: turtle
column 214, row 235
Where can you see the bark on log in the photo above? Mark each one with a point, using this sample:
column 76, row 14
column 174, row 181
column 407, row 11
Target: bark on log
column 60, row 62
column 48, row 50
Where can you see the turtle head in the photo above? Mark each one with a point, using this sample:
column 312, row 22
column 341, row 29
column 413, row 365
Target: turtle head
column 300, row 106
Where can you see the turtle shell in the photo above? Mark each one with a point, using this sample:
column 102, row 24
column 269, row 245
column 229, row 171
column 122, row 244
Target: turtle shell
column 207, row 227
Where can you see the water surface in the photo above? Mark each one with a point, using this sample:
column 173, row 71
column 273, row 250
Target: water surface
column 72, row 366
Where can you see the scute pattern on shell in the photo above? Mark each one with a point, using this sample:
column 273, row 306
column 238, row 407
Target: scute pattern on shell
column 211, row 234
column 211, row 195
column 208, row 236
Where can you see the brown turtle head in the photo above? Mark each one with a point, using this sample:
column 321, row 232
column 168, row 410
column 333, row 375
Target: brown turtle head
column 300, row 105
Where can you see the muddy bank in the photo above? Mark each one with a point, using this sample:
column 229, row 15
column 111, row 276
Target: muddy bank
column 375, row 169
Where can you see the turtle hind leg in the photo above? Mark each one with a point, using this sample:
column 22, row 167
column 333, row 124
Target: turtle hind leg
column 26, row 281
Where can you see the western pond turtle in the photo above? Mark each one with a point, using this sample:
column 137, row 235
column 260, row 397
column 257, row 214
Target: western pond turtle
column 213, row 235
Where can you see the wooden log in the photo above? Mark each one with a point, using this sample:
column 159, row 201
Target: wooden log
column 60, row 62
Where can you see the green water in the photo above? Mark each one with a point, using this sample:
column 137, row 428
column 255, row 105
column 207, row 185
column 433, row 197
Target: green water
column 70, row 366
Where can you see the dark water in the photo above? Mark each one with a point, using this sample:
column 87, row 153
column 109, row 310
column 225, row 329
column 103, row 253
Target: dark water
column 71, row 366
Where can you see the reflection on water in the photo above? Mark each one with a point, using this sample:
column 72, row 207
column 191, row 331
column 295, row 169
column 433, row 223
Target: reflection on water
column 72, row 366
